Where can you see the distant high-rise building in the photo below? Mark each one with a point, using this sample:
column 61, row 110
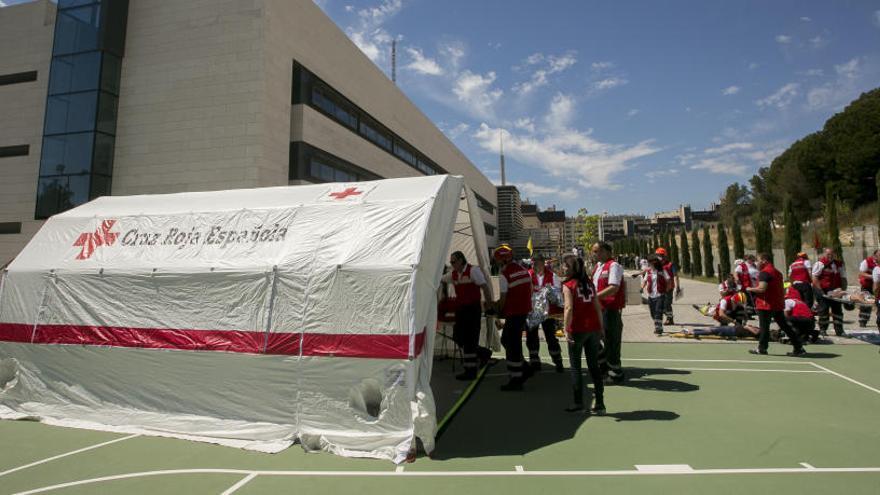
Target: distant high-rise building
column 510, row 218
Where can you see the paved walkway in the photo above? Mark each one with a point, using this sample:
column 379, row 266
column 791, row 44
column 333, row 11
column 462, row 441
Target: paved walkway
column 638, row 326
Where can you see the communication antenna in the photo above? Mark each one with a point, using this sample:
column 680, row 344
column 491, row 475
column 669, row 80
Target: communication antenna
column 394, row 61
column 501, row 142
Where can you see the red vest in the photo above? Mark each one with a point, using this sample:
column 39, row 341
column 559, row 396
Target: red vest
column 661, row 283
column 745, row 280
column 519, row 291
column 867, row 283
column 446, row 311
column 773, row 299
column 830, row 277
column 548, row 281
column 732, row 302
column 618, row 300
column 801, row 310
column 669, row 271
column 799, row 273
column 466, row 291
column 584, row 316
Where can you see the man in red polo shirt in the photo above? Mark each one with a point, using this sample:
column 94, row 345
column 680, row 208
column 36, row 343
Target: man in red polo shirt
column 514, row 306
column 829, row 274
column 611, row 292
column 770, row 304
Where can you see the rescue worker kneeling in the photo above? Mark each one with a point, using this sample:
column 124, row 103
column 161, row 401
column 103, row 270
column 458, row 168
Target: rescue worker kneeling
column 514, row 306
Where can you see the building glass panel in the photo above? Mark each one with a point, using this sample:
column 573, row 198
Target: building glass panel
column 73, row 73
column 67, row 154
column 77, row 30
column 71, row 113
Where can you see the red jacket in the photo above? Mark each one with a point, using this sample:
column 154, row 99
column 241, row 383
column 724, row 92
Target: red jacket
column 799, row 272
column 467, row 293
column 618, row 300
column 830, row 277
column 585, row 318
column 518, row 301
column 773, row 298
column 867, row 283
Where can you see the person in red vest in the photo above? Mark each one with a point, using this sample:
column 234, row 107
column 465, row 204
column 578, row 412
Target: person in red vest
column 770, row 304
column 800, row 276
column 875, row 277
column 744, row 278
column 514, row 306
column 655, row 283
column 866, row 283
column 543, row 276
column 672, row 288
column 800, row 316
column 828, row 274
column 608, row 277
column 469, row 283
column 582, row 320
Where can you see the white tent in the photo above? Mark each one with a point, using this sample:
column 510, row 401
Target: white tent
column 252, row 318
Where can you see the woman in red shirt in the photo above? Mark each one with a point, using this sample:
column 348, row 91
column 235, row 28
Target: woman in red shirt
column 583, row 328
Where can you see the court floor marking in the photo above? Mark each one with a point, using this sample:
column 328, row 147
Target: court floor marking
column 244, row 481
column 249, row 475
column 59, row 456
column 872, row 389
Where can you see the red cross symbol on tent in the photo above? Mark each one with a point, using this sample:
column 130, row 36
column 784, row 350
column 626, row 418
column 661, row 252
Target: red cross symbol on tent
column 90, row 241
column 351, row 191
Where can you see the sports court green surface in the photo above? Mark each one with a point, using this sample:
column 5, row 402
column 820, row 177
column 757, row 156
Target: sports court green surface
column 690, row 419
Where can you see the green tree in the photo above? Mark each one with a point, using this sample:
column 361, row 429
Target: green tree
column 591, row 232
column 833, row 231
column 734, row 202
column 686, row 266
column 723, row 252
column 739, row 248
column 708, row 256
column 696, row 257
column 763, row 234
column 877, row 183
column 792, row 244
column 673, row 250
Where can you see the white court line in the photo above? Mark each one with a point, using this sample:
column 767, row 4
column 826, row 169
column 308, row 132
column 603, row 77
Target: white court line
column 672, row 360
column 399, row 469
column 462, row 474
column 664, row 468
column 232, row 489
column 85, row 449
column 519, row 469
column 872, row 389
column 808, row 466
column 746, row 369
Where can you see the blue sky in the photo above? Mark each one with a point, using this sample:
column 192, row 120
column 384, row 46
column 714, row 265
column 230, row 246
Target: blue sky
column 623, row 107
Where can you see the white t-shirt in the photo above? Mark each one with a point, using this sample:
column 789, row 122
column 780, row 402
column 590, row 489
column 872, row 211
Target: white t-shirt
column 477, row 276
column 753, row 271
column 863, row 266
column 655, row 275
column 876, row 275
column 790, row 304
column 817, row 268
column 615, row 273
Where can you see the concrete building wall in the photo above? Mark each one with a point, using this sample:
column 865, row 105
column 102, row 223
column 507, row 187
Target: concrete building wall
column 26, row 33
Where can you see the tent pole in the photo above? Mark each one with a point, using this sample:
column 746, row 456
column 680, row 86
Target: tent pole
column 271, row 308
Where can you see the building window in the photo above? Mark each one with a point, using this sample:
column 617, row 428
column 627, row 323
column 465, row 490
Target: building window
column 490, row 229
column 81, row 106
column 485, row 204
column 17, row 150
column 315, row 165
column 309, row 89
column 18, row 77
column 10, row 227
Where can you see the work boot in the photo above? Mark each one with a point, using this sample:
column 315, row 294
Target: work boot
column 535, row 366
column 574, row 408
column 800, row 351
column 559, row 367
column 669, row 321
column 758, row 351
column 467, row 375
column 599, row 408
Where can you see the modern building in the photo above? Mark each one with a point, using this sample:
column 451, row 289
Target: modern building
column 510, row 217
column 156, row 96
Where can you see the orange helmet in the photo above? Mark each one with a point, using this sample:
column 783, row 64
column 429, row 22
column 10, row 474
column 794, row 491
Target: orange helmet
column 661, row 251
column 503, row 253
column 802, row 255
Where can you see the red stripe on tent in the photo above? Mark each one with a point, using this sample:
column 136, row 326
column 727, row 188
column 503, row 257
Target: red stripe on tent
column 323, row 344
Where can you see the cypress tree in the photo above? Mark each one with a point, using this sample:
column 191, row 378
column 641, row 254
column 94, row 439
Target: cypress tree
column 877, row 182
column 763, row 234
column 708, row 257
column 723, row 252
column 685, row 254
column 673, row 250
column 696, row 257
column 792, row 232
column 831, row 219
column 739, row 248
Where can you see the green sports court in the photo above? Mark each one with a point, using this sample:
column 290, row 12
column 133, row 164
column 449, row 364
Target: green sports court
column 689, row 419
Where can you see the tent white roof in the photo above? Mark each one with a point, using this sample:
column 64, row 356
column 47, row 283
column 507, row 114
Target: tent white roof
column 252, row 318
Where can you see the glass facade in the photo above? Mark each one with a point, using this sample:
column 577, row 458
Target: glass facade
column 79, row 129
column 316, row 165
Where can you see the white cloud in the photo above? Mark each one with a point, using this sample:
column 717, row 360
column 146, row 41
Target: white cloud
column 783, row 39
column 753, row 65
column 369, row 35
column 457, row 130
column 494, row 45
column 608, row 83
column 532, row 190
column 728, row 148
column 819, row 41
column 477, row 93
column 813, row 73
column 349, row 8
column 877, row 18
column 721, row 166
column 453, row 52
column 806, row 19
column 730, row 90
column 781, row 98
column 841, row 90
column 421, row 64
column 633, row 112
column 525, row 123
column 600, row 66
column 661, row 173
column 549, row 65
column 565, row 152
